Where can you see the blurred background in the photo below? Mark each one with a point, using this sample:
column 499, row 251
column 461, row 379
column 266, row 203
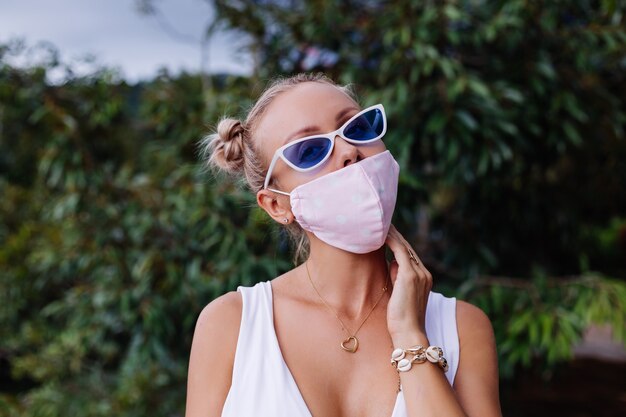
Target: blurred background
column 508, row 119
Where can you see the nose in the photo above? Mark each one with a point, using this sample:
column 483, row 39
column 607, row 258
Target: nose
column 346, row 152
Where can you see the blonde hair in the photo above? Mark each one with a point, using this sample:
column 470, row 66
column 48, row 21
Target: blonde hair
column 231, row 149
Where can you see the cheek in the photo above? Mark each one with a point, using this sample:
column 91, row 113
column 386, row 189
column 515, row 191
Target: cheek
column 298, row 178
column 283, row 175
column 376, row 148
column 289, row 178
column 373, row 149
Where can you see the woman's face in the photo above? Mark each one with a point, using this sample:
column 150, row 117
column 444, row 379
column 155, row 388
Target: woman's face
column 308, row 109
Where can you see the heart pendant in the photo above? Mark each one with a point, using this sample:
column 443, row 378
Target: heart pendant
column 353, row 348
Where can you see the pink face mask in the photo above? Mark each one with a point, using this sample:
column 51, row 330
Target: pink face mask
column 350, row 208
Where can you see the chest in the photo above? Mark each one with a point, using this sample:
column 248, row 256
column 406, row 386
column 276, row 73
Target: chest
column 331, row 380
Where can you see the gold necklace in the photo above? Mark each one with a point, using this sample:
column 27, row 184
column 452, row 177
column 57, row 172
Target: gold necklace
column 352, row 337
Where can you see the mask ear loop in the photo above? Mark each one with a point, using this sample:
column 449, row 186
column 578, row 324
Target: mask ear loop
column 267, row 180
column 279, row 192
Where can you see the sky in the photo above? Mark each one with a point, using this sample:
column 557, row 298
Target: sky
column 120, row 37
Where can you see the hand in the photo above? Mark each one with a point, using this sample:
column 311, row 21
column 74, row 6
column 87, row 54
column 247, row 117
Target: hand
column 411, row 282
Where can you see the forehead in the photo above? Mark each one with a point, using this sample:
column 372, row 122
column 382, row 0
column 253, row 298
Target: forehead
column 307, row 104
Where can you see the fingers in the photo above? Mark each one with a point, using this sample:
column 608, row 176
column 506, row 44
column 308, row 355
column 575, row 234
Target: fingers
column 412, row 285
column 416, row 261
column 404, row 253
column 401, row 249
column 393, row 271
column 394, row 241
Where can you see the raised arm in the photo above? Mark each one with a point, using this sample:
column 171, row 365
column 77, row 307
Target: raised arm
column 212, row 356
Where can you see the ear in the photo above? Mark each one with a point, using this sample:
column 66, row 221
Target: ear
column 276, row 205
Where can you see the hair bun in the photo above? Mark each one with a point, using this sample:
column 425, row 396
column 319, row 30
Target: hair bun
column 224, row 149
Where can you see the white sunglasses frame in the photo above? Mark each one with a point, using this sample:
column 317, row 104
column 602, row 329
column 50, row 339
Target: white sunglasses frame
column 331, row 136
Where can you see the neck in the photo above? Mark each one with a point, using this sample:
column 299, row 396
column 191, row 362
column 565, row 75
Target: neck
column 350, row 283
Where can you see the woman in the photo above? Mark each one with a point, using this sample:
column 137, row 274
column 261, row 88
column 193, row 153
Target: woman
column 319, row 339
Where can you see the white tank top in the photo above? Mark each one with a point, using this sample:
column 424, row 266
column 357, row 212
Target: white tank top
column 263, row 386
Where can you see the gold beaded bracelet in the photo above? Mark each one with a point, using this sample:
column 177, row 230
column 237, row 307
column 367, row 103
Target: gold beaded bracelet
column 421, row 354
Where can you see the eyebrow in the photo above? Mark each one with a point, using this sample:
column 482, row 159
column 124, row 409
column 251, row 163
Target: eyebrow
column 310, row 129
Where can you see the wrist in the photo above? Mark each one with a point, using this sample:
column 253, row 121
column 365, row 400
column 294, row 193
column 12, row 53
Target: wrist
column 409, row 338
column 420, row 354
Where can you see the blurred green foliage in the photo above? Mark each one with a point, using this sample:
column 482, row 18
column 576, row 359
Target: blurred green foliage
column 112, row 240
column 538, row 322
column 507, row 118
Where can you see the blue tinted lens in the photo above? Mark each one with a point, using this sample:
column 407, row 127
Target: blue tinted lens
column 367, row 126
column 308, row 153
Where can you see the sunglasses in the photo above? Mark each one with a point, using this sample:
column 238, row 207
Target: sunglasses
column 310, row 152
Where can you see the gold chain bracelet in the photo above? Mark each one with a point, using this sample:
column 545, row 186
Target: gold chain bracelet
column 433, row 354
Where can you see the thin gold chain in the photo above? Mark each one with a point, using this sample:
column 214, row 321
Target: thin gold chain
column 306, row 264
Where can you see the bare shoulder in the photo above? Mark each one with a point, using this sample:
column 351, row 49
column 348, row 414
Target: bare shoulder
column 222, row 314
column 212, row 355
column 476, row 381
column 472, row 322
column 217, row 328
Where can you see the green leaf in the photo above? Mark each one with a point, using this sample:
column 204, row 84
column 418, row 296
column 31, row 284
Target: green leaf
column 467, row 119
column 572, row 133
